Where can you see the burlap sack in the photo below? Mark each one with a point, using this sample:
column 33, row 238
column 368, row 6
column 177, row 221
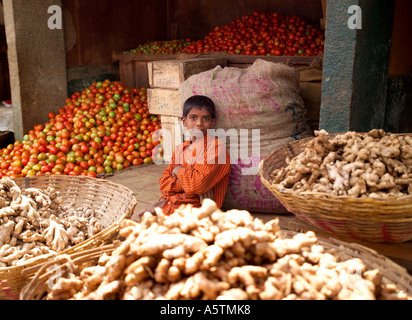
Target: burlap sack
column 265, row 97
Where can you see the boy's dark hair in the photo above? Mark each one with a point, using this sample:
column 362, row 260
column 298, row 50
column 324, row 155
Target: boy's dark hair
column 199, row 102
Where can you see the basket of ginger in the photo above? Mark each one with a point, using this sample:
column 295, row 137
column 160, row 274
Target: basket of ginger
column 207, row 254
column 44, row 216
column 352, row 184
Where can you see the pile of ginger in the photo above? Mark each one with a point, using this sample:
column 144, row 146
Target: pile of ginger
column 35, row 222
column 374, row 164
column 204, row 253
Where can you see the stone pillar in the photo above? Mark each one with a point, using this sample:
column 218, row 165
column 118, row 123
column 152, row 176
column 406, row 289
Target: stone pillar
column 355, row 69
column 37, row 62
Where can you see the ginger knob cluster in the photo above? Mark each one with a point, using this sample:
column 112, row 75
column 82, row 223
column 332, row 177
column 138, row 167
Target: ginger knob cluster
column 205, row 253
column 374, row 164
column 35, row 222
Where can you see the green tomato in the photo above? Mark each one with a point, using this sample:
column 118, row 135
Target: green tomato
column 41, row 156
column 71, row 159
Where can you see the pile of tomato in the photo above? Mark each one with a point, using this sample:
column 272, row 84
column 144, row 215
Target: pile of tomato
column 105, row 127
column 161, row 47
column 263, row 34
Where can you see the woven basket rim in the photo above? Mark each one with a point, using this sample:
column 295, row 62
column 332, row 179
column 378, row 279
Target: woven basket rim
column 322, row 195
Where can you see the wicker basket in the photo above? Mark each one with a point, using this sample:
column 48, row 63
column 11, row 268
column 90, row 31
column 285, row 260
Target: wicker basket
column 112, row 201
column 392, row 273
column 368, row 219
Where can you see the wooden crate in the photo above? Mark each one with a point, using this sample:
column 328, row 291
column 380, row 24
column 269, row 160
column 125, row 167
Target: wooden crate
column 133, row 67
column 172, row 132
column 171, row 73
column 164, row 102
column 165, row 76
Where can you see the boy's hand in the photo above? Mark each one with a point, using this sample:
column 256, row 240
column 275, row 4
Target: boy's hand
column 176, row 170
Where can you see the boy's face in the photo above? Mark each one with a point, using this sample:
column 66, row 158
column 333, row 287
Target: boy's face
column 199, row 119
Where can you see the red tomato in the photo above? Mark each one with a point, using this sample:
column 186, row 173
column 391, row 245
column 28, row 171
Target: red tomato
column 54, row 150
column 85, row 127
column 92, row 174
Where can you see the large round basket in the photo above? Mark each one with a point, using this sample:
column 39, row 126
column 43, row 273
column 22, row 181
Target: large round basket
column 113, row 203
column 391, row 272
column 368, row 219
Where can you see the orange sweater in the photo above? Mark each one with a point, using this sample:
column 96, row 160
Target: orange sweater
column 205, row 167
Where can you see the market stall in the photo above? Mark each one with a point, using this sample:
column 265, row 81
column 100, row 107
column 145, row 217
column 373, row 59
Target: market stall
column 320, row 215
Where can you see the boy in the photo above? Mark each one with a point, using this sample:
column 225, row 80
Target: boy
column 199, row 167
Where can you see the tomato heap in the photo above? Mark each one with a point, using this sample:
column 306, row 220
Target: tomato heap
column 105, row 127
column 161, row 47
column 263, row 34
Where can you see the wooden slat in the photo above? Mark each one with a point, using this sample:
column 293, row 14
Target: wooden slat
column 232, row 58
column 164, row 101
column 134, row 73
column 127, row 57
column 173, row 137
column 288, row 60
column 171, row 73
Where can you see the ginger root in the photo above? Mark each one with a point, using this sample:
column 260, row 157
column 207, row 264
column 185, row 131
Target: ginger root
column 160, row 258
column 34, row 222
column 374, row 164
